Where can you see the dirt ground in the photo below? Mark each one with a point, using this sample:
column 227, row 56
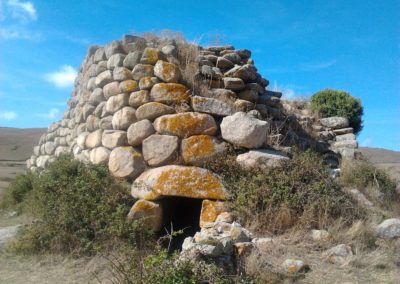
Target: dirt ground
column 15, row 147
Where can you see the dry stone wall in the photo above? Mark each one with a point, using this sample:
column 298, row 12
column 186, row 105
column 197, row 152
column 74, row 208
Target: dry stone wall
column 156, row 111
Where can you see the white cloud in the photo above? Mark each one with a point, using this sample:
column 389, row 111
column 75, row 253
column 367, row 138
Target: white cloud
column 318, row 66
column 51, row 114
column 289, row 92
column 15, row 16
column 18, row 33
column 366, row 142
column 62, row 78
column 8, row 115
column 22, row 10
column 303, row 67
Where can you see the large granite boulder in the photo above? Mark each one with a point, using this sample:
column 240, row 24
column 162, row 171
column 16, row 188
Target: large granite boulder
column 243, row 130
column 126, row 162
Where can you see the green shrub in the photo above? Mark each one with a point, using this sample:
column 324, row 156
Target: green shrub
column 299, row 193
column 80, row 209
column 158, row 267
column 331, row 102
column 18, row 189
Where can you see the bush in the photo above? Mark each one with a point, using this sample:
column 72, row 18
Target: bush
column 331, row 102
column 160, row 268
column 363, row 175
column 18, row 189
column 80, row 209
column 274, row 200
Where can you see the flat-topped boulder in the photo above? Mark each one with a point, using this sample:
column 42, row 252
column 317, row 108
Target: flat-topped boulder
column 181, row 181
column 261, row 159
column 334, row 122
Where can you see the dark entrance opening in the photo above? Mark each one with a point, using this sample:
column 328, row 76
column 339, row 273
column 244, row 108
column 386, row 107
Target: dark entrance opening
column 180, row 213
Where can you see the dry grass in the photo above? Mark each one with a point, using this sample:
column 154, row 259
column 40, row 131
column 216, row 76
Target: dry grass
column 52, row 269
column 376, row 184
column 188, row 53
column 376, row 264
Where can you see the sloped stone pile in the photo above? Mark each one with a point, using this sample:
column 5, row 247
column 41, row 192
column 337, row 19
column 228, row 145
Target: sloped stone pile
column 138, row 108
column 337, row 131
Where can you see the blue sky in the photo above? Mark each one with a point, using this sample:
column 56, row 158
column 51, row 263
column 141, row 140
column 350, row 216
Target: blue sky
column 300, row 46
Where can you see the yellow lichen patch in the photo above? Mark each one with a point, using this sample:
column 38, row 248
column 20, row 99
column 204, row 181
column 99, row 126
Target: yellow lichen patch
column 192, row 182
column 186, row 124
column 128, row 86
column 150, row 55
column 150, row 213
column 141, row 190
column 145, row 80
column 169, row 93
column 210, row 211
column 197, row 147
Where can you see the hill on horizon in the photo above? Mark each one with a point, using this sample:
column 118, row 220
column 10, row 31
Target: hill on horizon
column 16, row 144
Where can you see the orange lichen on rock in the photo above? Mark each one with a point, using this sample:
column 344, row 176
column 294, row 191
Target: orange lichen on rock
column 150, row 213
column 210, row 210
column 128, row 86
column 197, row 146
column 150, row 56
column 198, row 149
column 186, row 124
column 169, row 93
column 192, row 182
column 168, row 72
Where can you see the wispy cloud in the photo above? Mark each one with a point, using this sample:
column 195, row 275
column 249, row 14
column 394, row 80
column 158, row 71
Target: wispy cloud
column 75, row 39
column 51, row 114
column 303, row 67
column 21, row 10
column 318, row 65
column 15, row 16
column 63, row 78
column 290, row 91
column 18, row 33
column 8, row 115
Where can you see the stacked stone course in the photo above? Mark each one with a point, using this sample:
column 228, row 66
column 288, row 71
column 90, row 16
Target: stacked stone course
column 134, row 109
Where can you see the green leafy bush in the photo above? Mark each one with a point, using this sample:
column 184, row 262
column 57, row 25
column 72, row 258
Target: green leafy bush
column 299, row 193
column 331, row 102
column 80, row 209
column 158, row 267
column 18, row 189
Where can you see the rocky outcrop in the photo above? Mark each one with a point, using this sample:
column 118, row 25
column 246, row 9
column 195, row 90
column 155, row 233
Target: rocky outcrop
column 156, row 115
